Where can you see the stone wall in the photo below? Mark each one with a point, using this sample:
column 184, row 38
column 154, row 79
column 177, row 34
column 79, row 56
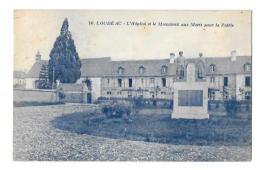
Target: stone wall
column 75, row 97
column 35, row 95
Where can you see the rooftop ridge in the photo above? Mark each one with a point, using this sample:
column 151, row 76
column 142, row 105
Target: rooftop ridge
column 152, row 59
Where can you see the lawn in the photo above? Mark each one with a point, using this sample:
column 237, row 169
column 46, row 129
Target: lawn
column 156, row 125
column 63, row 133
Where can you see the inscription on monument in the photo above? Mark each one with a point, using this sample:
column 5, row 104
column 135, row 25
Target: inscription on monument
column 190, row 98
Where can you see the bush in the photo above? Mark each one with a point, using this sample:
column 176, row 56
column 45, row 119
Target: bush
column 61, row 95
column 116, row 110
column 231, row 107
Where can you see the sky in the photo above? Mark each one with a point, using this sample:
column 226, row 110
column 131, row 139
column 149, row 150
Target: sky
column 37, row 30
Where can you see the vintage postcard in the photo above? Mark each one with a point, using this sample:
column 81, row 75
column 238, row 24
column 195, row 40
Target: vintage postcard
column 132, row 85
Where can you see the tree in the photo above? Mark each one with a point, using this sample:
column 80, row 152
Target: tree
column 43, row 82
column 64, row 63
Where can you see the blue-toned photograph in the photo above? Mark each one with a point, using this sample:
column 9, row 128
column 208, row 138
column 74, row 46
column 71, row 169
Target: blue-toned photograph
column 132, row 85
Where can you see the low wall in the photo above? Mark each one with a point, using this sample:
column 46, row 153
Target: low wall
column 75, row 97
column 35, row 95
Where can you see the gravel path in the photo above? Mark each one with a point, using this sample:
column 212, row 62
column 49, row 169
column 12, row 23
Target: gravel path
column 35, row 138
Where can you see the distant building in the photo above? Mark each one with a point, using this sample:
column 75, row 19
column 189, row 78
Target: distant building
column 19, row 79
column 32, row 77
column 226, row 77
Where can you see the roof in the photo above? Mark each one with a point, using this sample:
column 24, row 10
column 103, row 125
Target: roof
column 34, row 72
column 224, row 65
column 19, row 74
column 102, row 67
column 131, row 67
column 95, row 67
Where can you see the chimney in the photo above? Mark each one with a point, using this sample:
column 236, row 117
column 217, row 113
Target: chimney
column 233, row 55
column 38, row 57
column 172, row 57
column 200, row 54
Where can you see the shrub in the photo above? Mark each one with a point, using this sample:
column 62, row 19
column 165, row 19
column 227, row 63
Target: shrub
column 117, row 109
column 61, row 95
column 231, row 107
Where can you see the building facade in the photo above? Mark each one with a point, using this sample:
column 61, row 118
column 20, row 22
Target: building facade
column 19, row 79
column 226, row 77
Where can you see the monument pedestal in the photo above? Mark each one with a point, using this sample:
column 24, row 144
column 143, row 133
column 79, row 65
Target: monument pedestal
column 190, row 97
column 190, row 115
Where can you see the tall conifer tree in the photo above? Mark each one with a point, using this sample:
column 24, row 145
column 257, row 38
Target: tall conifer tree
column 64, row 63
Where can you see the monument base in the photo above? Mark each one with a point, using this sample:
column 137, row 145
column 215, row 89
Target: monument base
column 190, row 97
column 190, row 115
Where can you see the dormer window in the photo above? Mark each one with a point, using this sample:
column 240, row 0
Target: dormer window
column 141, row 70
column 120, row 70
column 164, row 69
column 212, row 68
column 247, row 67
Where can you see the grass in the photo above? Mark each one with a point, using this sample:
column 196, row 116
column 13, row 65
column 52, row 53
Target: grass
column 155, row 125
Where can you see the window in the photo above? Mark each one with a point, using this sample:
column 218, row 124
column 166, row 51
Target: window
column 164, row 82
column 212, row 79
column 120, row 70
column 212, row 95
column 247, row 81
column 130, row 83
column 152, row 80
column 119, row 82
column 163, row 93
column 141, row 70
column 212, row 68
column 109, row 93
column 247, row 67
column 108, row 81
column 164, row 69
column 225, row 81
column 247, row 95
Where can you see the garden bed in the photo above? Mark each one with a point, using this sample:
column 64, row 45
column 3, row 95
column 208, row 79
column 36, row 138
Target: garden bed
column 156, row 125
